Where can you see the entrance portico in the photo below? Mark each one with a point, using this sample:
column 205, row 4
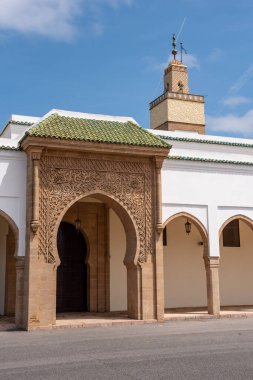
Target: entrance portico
column 103, row 181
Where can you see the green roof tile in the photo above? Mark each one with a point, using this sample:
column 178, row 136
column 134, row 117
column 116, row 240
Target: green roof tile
column 206, row 141
column 104, row 131
column 4, row 147
column 210, row 160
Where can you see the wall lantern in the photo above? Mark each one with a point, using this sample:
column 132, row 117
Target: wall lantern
column 77, row 221
column 188, row 227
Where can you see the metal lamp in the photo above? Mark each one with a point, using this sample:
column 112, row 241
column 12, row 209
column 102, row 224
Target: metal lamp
column 78, row 221
column 188, row 227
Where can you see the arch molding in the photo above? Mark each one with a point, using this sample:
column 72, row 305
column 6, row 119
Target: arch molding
column 127, row 184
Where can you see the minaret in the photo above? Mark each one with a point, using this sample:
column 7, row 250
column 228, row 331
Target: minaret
column 176, row 108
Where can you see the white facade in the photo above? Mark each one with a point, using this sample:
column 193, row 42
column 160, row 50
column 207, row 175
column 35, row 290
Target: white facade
column 210, row 180
column 207, row 177
column 13, row 191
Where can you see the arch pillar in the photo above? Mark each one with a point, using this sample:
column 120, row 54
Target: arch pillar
column 158, row 264
column 212, row 282
column 134, row 291
column 141, row 291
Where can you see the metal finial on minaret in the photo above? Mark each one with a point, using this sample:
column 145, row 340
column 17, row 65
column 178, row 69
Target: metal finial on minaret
column 174, row 45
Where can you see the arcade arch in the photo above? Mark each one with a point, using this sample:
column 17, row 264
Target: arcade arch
column 8, row 252
column 184, row 267
column 110, row 243
column 236, row 263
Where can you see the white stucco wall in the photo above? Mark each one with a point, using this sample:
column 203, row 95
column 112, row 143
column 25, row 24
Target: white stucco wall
column 3, row 234
column 118, row 273
column 184, row 270
column 210, row 192
column 13, row 191
column 236, row 269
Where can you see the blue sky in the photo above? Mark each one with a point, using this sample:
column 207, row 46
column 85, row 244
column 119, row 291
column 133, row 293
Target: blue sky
column 107, row 56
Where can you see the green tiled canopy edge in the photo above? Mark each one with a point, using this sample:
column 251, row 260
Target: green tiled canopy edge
column 205, row 141
column 210, row 160
column 104, row 131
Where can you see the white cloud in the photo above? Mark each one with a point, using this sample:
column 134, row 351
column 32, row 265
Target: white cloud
column 191, row 61
column 152, row 64
column 233, row 101
column 114, row 3
column 242, row 80
column 215, row 55
column 52, row 18
column 188, row 59
column 242, row 125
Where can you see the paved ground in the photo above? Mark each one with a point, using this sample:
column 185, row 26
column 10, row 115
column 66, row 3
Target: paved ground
column 175, row 350
column 68, row 320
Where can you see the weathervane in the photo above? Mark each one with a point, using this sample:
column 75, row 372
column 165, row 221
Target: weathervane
column 182, row 49
column 174, row 45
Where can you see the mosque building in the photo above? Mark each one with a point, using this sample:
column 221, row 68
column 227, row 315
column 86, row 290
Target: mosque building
column 100, row 215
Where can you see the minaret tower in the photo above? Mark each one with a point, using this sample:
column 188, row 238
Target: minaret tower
column 176, row 108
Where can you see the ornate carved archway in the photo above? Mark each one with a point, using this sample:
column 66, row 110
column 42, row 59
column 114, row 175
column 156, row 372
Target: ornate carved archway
column 128, row 221
column 127, row 185
column 125, row 177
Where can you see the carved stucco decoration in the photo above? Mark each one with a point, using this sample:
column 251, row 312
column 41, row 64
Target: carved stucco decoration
column 62, row 180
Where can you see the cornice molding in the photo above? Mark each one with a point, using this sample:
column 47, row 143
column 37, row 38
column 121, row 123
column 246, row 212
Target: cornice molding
column 93, row 147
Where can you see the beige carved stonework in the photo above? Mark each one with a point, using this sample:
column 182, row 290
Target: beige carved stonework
column 63, row 180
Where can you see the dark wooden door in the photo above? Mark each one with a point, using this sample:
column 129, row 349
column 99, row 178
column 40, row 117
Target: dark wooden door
column 72, row 273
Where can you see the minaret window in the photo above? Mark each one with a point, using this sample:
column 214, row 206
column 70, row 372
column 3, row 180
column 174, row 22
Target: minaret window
column 180, row 86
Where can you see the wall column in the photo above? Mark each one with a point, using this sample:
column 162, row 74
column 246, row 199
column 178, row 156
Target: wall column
column 159, row 267
column 212, row 280
column 134, row 294
column 19, row 307
column 10, row 277
column 35, row 196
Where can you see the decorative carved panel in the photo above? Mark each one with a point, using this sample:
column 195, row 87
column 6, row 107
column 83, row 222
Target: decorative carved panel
column 64, row 179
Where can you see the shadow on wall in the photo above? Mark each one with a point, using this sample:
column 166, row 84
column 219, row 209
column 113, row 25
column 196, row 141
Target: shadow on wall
column 8, row 247
column 236, row 268
column 184, row 267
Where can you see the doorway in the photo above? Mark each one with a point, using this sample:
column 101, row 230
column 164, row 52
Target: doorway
column 72, row 272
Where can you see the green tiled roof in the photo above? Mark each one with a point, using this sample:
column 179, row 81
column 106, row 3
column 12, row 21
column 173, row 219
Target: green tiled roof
column 28, row 123
column 4, row 147
column 210, row 160
column 206, row 141
column 104, row 131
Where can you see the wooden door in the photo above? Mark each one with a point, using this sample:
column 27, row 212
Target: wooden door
column 72, row 273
